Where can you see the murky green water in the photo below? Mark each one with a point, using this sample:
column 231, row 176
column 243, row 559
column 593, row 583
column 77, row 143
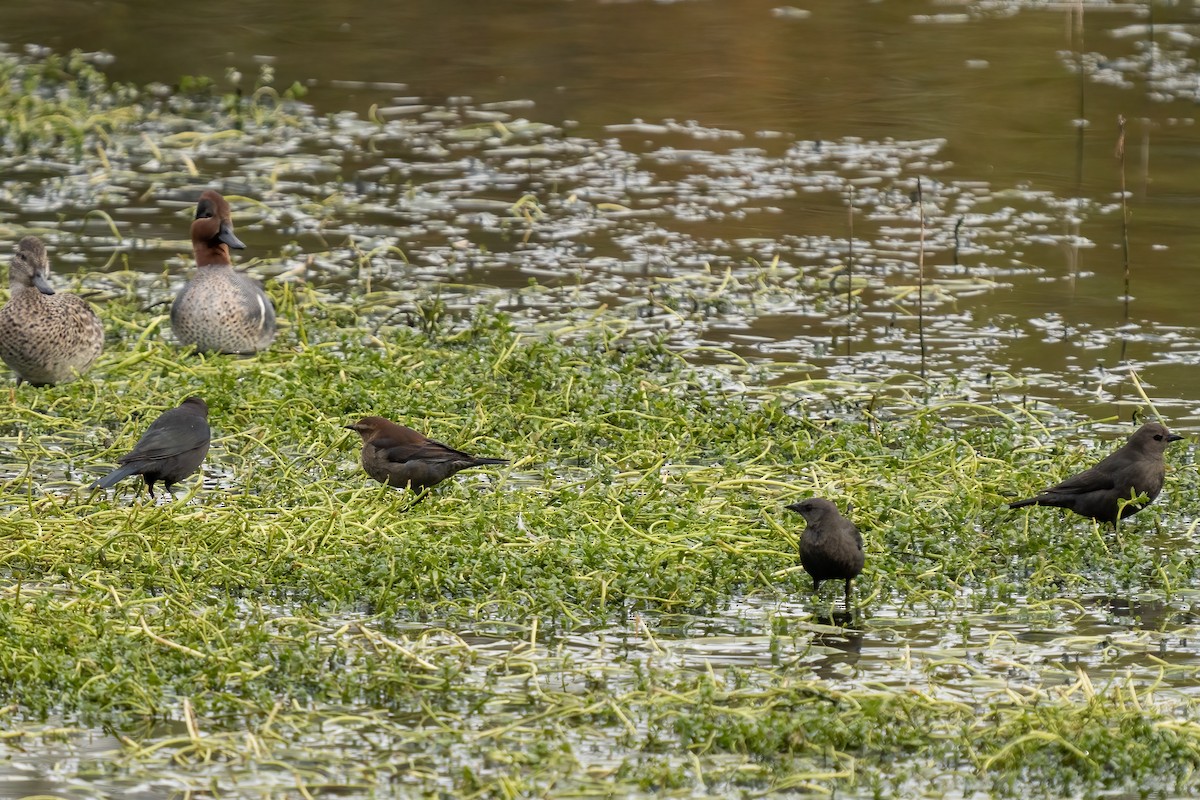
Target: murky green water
column 694, row 164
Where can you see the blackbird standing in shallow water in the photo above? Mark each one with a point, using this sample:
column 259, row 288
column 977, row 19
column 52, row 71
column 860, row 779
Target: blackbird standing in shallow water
column 831, row 548
column 1135, row 469
column 402, row 457
column 171, row 448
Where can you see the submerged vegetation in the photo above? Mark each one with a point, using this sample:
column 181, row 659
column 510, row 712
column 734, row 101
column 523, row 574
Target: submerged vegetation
column 620, row 610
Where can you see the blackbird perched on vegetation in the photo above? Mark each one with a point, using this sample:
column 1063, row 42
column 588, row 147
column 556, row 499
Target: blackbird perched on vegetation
column 402, row 457
column 171, row 448
column 831, row 548
column 1135, row 469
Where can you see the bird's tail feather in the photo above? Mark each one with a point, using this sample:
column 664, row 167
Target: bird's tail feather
column 481, row 461
column 113, row 477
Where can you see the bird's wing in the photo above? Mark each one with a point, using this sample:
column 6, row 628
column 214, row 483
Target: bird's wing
column 165, row 441
column 1092, row 480
column 254, row 300
column 427, row 450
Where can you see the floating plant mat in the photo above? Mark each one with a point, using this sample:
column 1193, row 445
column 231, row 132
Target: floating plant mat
column 1050, row 702
column 621, row 607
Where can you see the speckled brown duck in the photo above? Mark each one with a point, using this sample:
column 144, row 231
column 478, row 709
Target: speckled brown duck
column 46, row 337
column 220, row 310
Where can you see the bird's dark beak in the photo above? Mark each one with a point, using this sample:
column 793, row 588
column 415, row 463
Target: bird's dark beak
column 353, row 427
column 225, row 234
column 793, row 507
column 42, row 284
column 1173, row 437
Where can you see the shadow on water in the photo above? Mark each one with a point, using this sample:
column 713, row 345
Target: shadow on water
column 843, row 651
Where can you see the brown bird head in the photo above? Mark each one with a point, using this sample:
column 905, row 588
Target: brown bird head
column 212, row 230
column 1152, row 438
column 195, row 405
column 30, row 266
column 369, row 427
column 814, row 509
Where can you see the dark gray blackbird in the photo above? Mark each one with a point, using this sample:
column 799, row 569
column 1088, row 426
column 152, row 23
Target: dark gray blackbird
column 1135, row 469
column 831, row 548
column 172, row 448
column 402, row 457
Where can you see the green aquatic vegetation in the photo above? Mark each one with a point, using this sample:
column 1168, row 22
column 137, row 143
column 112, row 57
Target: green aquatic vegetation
column 52, row 102
column 286, row 583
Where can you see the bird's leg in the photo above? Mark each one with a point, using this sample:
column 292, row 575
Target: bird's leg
column 847, row 595
column 817, row 602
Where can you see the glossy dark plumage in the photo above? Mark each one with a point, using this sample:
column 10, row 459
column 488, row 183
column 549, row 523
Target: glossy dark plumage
column 45, row 337
column 831, row 548
column 171, row 449
column 1136, row 468
column 220, row 309
column 402, row 457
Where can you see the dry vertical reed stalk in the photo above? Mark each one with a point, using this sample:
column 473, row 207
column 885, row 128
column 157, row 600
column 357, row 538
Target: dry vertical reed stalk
column 921, row 277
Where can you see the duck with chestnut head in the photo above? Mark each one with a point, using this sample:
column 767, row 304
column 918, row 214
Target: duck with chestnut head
column 220, row 310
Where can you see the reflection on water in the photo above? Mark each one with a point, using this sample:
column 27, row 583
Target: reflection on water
column 843, row 649
column 34, row 765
